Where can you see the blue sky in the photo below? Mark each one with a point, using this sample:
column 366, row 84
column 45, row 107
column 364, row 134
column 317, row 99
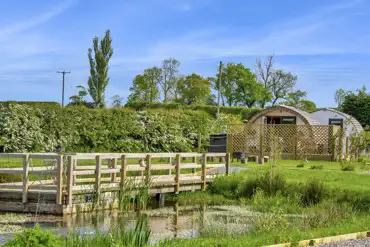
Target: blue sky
column 326, row 43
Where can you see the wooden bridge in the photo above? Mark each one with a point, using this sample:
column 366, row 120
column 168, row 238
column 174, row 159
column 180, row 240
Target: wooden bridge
column 73, row 182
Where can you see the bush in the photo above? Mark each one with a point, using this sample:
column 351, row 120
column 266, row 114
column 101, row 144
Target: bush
column 300, row 165
column 36, row 237
column 345, row 166
column 226, row 186
column 77, row 129
column 271, row 183
column 313, row 192
column 317, row 167
column 244, row 112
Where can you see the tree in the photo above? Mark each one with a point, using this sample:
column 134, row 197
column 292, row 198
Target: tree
column 170, row 70
column 144, row 87
column 117, row 101
column 238, row 86
column 281, row 84
column 339, row 96
column 211, row 100
column 193, row 89
column 264, row 75
column 299, row 101
column 295, row 97
column 79, row 98
column 248, row 90
column 357, row 104
column 99, row 65
column 307, row 105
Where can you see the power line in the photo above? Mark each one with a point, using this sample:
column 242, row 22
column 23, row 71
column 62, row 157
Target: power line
column 63, row 73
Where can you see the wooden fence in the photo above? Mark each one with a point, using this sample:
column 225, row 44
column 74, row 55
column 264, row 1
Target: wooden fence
column 294, row 141
column 62, row 184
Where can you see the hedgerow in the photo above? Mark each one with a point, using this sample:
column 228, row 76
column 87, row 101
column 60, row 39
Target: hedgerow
column 243, row 112
column 24, row 128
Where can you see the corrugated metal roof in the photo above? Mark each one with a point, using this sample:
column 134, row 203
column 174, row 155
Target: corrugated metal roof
column 353, row 120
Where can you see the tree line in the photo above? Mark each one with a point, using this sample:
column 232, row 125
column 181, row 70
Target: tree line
column 236, row 84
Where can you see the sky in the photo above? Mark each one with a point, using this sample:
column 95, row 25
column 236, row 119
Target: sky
column 326, row 43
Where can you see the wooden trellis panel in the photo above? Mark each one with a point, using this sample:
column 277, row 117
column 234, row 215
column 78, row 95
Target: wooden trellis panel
column 295, row 141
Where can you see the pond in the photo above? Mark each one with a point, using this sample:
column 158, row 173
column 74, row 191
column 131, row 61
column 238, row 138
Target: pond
column 170, row 221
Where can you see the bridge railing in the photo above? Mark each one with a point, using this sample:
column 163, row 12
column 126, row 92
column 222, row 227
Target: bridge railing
column 63, row 176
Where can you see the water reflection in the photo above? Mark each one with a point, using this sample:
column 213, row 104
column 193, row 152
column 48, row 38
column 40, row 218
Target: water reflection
column 168, row 222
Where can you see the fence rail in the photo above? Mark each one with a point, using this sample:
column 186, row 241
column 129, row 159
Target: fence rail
column 60, row 180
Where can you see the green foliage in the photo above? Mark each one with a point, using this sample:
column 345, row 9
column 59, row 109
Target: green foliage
column 243, row 112
column 226, row 186
column 99, row 79
column 193, row 89
column 24, row 128
column 39, row 104
column 79, row 98
column 238, row 86
column 271, row 183
column 358, row 105
column 347, row 166
column 313, row 192
column 298, row 100
column 145, row 87
column 36, row 237
column 317, row 167
column 300, row 165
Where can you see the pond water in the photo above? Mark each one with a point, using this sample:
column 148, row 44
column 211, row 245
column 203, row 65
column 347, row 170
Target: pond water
column 168, row 222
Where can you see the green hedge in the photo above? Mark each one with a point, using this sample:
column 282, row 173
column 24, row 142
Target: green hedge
column 40, row 104
column 244, row 112
column 79, row 129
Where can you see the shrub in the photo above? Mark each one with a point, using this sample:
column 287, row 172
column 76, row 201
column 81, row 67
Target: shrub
column 244, row 112
column 313, row 192
column 345, row 166
column 36, row 237
column 317, row 167
column 271, row 183
column 226, row 186
column 32, row 129
column 300, row 165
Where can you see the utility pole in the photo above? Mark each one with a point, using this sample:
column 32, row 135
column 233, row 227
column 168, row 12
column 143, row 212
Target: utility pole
column 63, row 73
column 219, row 88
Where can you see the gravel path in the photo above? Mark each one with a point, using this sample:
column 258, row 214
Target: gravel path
column 349, row 243
column 223, row 169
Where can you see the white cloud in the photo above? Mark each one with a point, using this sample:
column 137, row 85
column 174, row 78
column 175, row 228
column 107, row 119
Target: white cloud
column 34, row 21
column 317, row 33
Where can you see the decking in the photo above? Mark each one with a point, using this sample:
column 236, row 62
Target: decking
column 74, row 182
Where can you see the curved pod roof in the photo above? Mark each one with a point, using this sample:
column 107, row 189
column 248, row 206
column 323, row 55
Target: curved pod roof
column 304, row 116
column 356, row 124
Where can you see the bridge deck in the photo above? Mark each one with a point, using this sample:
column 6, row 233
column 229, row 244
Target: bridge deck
column 69, row 185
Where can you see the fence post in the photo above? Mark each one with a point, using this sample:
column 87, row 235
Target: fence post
column 70, row 180
column 123, row 170
column 97, row 176
column 59, row 180
column 227, row 163
column 148, row 168
column 347, row 147
column 170, row 163
column 26, row 166
column 177, row 177
column 74, row 169
column 295, row 142
column 204, row 175
column 114, row 174
column 261, row 160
